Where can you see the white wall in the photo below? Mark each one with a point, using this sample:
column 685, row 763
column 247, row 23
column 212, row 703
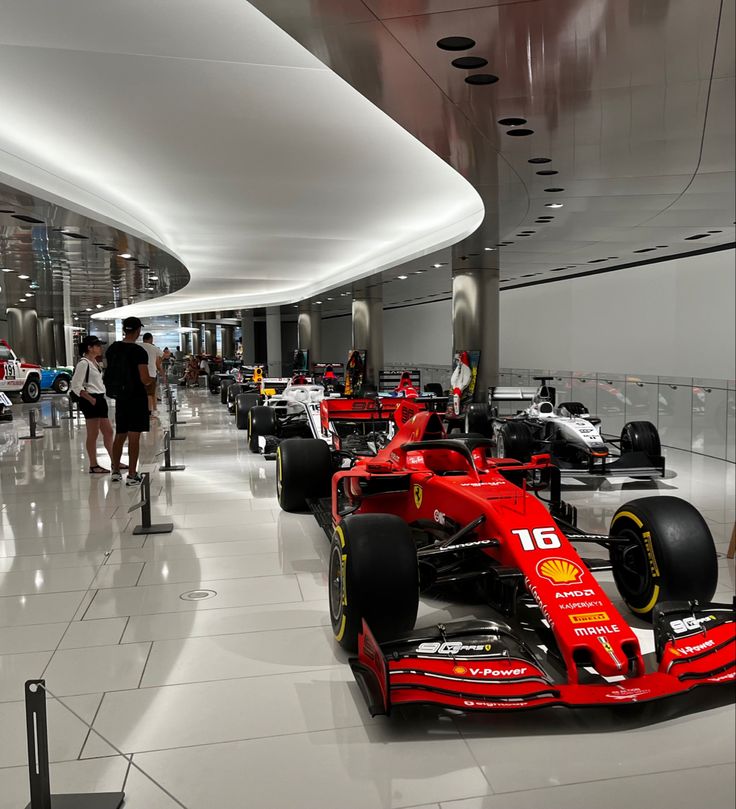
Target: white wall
column 418, row 335
column 675, row 318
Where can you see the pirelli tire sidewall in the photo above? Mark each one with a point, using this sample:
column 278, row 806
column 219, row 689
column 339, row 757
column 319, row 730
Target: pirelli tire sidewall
column 676, row 546
column 224, row 385
column 261, row 421
column 303, row 472
column 373, row 575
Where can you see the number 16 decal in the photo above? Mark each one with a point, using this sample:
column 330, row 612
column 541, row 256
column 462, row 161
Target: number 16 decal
column 538, row 538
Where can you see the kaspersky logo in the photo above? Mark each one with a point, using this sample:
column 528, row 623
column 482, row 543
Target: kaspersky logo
column 560, row 571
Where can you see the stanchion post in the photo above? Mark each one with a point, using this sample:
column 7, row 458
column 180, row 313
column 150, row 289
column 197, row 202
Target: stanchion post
column 168, row 466
column 38, row 761
column 31, row 427
column 145, row 506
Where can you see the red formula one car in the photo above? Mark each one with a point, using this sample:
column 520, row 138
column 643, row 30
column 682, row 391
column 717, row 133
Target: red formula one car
column 428, row 512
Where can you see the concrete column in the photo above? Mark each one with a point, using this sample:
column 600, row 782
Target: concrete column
column 46, row 346
column 197, row 334
column 475, row 320
column 273, row 340
column 247, row 331
column 185, row 338
column 309, row 326
column 368, row 328
column 228, row 341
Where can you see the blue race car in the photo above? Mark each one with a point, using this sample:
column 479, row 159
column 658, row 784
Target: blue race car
column 56, row 379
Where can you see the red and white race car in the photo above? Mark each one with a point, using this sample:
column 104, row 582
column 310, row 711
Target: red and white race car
column 432, row 513
column 17, row 376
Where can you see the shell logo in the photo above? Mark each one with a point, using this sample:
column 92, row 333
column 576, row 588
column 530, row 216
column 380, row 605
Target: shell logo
column 459, row 670
column 560, row 571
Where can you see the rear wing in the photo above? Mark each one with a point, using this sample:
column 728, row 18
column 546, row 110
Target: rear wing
column 389, row 379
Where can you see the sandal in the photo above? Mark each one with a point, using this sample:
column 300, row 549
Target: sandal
column 98, row 470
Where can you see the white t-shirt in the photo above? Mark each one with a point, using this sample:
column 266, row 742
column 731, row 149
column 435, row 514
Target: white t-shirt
column 153, row 353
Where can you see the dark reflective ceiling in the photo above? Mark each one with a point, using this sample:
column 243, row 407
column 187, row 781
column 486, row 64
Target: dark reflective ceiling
column 49, row 254
column 630, row 103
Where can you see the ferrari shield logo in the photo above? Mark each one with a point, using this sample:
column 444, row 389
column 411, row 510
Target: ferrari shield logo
column 418, row 493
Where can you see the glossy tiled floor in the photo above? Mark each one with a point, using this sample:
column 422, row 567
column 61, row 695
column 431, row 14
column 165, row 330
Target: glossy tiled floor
column 242, row 699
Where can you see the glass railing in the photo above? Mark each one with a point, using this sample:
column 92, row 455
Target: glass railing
column 693, row 414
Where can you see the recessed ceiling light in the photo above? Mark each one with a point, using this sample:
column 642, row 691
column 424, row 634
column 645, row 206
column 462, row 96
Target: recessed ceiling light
column 436, row 266
column 553, row 190
column 419, row 272
column 87, row 309
column 645, row 250
column 662, row 247
column 402, row 277
column 125, row 255
column 469, row 62
column 596, row 260
column 696, row 236
column 29, row 294
column 329, row 299
column 481, row 78
column 7, row 269
column 547, row 172
column 99, row 306
column 553, row 204
column 455, row 43
column 24, row 277
column 511, row 121
column 153, row 277
column 76, row 318
column 343, row 294
column 539, row 160
column 520, row 133
column 318, row 301
column 488, row 249
column 715, row 231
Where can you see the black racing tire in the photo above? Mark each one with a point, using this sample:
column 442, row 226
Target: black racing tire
column 244, row 402
column 477, row 419
column 303, row 472
column 261, row 421
column 233, row 391
column 573, row 409
column 61, row 384
column 373, row 575
column 514, row 440
column 31, row 390
column 224, row 385
column 640, row 436
column 670, row 556
column 435, row 388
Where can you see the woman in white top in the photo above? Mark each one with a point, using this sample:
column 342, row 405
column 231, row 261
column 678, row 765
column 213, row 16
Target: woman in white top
column 88, row 386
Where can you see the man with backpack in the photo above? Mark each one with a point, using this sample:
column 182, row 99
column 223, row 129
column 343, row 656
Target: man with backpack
column 127, row 380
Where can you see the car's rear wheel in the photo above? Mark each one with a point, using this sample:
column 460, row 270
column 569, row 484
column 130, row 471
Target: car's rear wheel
column 224, row 385
column 61, row 384
column 669, row 554
column 303, row 472
column 243, row 403
column 31, row 391
column 640, row 436
column 477, row 419
column 514, row 440
column 261, row 421
column 572, row 409
column 373, row 575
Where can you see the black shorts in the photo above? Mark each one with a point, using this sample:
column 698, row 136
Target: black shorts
column 98, row 410
column 132, row 416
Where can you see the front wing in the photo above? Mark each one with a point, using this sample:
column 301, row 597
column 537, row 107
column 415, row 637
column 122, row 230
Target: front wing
column 484, row 666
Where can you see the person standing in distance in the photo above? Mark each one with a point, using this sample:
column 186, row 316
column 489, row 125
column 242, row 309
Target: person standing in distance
column 155, row 369
column 87, row 385
column 127, row 380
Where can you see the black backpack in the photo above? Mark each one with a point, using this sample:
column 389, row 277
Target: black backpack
column 116, row 373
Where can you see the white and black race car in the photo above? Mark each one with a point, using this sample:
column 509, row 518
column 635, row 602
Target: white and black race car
column 566, row 431
column 293, row 413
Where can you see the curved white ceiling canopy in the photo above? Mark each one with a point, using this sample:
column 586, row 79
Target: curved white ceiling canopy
column 206, row 129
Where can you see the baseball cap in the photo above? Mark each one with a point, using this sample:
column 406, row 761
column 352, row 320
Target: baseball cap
column 132, row 324
column 87, row 342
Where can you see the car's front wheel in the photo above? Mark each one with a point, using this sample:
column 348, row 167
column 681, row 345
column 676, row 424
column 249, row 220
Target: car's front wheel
column 640, row 436
column 668, row 554
column 373, row 575
column 31, row 391
column 61, row 384
column 514, row 440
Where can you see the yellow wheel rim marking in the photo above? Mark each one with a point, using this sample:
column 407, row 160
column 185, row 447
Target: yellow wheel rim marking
column 647, row 537
column 343, row 573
